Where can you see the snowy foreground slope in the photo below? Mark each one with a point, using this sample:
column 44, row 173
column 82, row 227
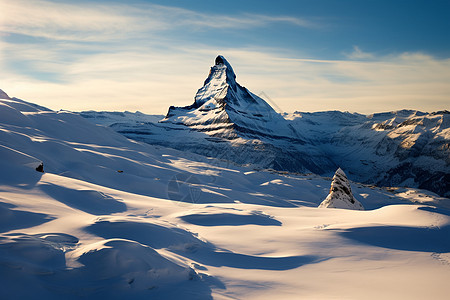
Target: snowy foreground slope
column 119, row 219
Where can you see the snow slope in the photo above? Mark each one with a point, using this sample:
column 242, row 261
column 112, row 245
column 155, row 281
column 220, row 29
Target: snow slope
column 115, row 218
column 106, row 118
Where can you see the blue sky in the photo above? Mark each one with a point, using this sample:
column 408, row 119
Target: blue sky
column 363, row 56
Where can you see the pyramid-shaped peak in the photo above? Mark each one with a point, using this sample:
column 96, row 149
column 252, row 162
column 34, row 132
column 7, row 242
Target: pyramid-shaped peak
column 340, row 172
column 223, row 103
column 219, row 60
column 222, row 66
column 3, row 95
column 340, row 195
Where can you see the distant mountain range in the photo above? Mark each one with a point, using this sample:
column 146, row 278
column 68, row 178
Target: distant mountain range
column 227, row 121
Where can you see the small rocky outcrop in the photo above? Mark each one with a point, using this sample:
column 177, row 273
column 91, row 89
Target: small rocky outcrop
column 40, row 168
column 340, row 195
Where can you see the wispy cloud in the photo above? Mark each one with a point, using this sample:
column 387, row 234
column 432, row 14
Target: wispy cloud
column 62, row 21
column 97, row 22
column 357, row 54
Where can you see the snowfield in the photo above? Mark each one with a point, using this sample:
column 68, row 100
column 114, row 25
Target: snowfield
column 119, row 219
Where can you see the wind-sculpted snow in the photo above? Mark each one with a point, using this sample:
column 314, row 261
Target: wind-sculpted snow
column 11, row 218
column 427, row 239
column 151, row 234
column 228, row 219
column 89, row 201
column 119, row 219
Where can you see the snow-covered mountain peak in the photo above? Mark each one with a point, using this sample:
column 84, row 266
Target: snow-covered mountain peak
column 340, row 195
column 340, row 183
column 229, row 109
column 220, row 78
column 340, row 173
column 228, row 121
column 221, row 62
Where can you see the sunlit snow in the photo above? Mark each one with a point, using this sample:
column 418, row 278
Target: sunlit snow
column 119, row 219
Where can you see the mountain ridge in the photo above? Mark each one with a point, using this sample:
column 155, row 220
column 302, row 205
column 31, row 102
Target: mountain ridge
column 405, row 147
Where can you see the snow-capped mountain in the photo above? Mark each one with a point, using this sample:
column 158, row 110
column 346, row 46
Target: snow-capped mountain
column 400, row 148
column 227, row 121
column 225, row 109
column 341, row 195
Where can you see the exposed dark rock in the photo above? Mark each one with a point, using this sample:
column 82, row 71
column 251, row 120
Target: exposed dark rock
column 40, row 168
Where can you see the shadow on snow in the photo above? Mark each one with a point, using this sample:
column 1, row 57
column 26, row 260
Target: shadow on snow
column 188, row 245
column 425, row 239
column 227, row 219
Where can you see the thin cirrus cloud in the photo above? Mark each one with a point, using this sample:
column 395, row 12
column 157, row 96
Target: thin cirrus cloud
column 358, row 54
column 97, row 22
column 61, row 21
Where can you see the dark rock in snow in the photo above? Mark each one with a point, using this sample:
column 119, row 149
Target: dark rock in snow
column 40, row 168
